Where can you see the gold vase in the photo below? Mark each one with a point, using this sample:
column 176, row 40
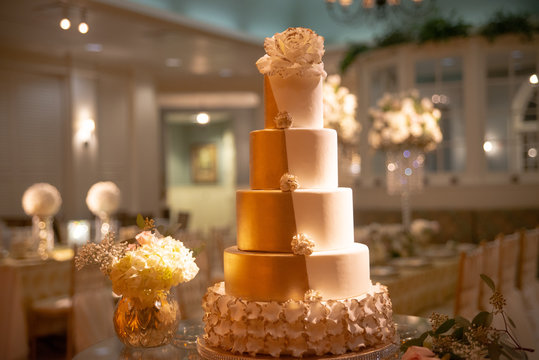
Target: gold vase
column 145, row 324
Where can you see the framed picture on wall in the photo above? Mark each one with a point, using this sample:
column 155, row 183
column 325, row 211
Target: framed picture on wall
column 204, row 163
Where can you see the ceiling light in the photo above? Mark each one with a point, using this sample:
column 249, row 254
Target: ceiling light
column 349, row 11
column 65, row 24
column 487, row 146
column 533, row 79
column 83, row 26
column 532, row 152
column 203, row 118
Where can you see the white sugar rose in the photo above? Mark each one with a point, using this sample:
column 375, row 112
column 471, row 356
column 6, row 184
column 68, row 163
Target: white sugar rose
column 295, row 51
column 103, row 198
column 302, row 245
column 283, row 120
column 289, row 182
column 41, row 199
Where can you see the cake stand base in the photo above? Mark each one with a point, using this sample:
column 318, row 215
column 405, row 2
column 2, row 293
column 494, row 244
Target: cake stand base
column 390, row 351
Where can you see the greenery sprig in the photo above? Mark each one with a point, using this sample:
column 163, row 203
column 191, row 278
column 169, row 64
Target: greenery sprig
column 458, row 338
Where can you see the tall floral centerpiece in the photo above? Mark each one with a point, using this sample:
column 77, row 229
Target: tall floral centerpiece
column 42, row 201
column 405, row 126
column 103, row 200
column 144, row 274
column 340, row 114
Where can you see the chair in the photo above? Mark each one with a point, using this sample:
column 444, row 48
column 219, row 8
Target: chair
column 515, row 307
column 468, row 282
column 84, row 313
column 183, row 221
column 526, row 276
column 190, row 293
column 491, row 253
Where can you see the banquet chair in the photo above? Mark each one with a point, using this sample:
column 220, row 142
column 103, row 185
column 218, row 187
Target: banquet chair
column 514, row 308
column 190, row 294
column 84, row 314
column 527, row 281
column 468, row 282
column 490, row 265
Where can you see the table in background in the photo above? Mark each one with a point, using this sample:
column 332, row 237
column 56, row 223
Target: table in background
column 22, row 282
column 414, row 290
column 184, row 344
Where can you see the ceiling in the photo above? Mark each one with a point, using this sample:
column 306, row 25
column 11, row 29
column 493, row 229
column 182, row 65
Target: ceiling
column 215, row 42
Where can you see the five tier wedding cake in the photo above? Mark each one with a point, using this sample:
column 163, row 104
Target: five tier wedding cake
column 296, row 284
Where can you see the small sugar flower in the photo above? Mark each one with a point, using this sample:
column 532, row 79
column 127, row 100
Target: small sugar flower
column 283, row 120
column 289, row 182
column 302, row 245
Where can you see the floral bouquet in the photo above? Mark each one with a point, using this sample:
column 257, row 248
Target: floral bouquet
column 41, row 199
column 423, row 231
column 340, row 111
column 103, row 198
column 152, row 265
column 143, row 273
column 459, row 338
column 404, row 120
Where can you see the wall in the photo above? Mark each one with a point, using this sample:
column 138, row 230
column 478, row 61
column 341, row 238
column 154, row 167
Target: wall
column 42, row 103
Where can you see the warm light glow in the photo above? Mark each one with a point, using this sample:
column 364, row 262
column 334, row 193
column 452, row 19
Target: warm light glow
column 391, row 167
column 65, row 24
column 532, row 152
column 86, row 129
column 487, row 146
column 533, row 79
column 203, row 118
column 83, row 27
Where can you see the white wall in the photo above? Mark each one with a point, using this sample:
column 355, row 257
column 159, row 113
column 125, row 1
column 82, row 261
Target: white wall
column 41, row 108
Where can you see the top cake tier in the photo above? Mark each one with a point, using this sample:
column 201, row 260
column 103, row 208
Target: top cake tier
column 297, row 98
column 293, row 74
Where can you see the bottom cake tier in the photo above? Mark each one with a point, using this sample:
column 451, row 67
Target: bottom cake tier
column 298, row 328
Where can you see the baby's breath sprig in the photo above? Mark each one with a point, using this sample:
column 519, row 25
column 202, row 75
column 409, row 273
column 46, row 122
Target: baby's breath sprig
column 102, row 254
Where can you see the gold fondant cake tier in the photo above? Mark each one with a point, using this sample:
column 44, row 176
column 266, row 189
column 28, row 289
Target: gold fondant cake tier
column 259, row 276
column 267, row 220
column 308, row 154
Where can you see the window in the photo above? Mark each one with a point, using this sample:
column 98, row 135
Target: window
column 440, row 80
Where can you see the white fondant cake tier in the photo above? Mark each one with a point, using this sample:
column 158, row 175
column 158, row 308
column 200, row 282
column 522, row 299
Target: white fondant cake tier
column 298, row 328
column 268, row 219
column 261, row 276
column 299, row 96
column 308, row 154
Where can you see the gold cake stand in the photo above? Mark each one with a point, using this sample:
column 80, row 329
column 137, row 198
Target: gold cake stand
column 390, row 351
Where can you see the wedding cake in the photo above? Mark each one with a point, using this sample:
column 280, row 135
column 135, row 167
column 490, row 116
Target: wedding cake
column 296, row 284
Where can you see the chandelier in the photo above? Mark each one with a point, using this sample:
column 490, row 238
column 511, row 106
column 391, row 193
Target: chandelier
column 348, row 11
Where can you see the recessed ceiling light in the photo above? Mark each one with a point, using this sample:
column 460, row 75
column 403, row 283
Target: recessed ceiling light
column 173, row 62
column 65, row 24
column 94, row 47
column 203, row 118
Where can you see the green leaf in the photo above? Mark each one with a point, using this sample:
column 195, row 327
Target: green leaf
column 488, row 281
column 481, row 318
column 140, row 221
column 511, row 353
column 448, row 324
column 458, row 333
column 412, row 342
column 494, row 351
column 511, row 322
column 463, row 322
column 488, row 320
